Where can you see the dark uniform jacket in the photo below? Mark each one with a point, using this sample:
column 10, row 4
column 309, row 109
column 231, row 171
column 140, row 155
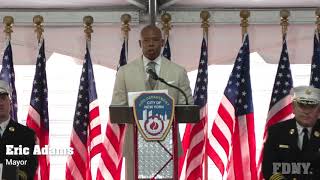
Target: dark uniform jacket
column 281, row 147
column 17, row 134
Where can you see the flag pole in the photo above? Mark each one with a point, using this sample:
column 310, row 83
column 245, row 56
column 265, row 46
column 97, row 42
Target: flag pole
column 166, row 25
column 205, row 15
column 318, row 19
column 7, row 71
column 284, row 14
column 37, row 21
column 42, row 134
column 87, row 22
column 8, row 23
column 125, row 28
column 244, row 14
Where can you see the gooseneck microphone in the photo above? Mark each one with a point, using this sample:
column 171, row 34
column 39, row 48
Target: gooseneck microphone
column 154, row 76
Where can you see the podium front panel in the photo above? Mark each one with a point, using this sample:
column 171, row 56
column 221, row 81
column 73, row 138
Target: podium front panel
column 155, row 157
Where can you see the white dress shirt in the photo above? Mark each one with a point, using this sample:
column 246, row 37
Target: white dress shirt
column 157, row 65
column 300, row 134
column 3, row 126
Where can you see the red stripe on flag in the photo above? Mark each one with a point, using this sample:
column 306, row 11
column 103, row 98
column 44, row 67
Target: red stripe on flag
column 237, row 157
column 196, row 149
column 42, row 136
column 31, row 123
column 280, row 115
column 114, row 138
column 215, row 158
column 68, row 174
column 217, row 133
column 225, row 116
column 111, row 156
column 195, row 174
column 80, row 163
column 227, row 121
column 94, row 113
column 252, row 145
column 185, row 145
column 95, row 150
column 96, row 131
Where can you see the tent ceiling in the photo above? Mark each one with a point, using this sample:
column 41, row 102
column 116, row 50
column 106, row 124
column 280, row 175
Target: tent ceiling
column 61, row 3
column 248, row 3
column 171, row 3
column 64, row 28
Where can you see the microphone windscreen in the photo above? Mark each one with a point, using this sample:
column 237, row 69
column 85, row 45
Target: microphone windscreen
column 152, row 74
column 149, row 70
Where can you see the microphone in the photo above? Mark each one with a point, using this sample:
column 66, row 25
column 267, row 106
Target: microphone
column 154, row 76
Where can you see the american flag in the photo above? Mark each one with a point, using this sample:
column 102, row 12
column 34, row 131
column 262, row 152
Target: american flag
column 38, row 117
column 111, row 157
column 166, row 49
column 280, row 107
column 315, row 67
column 194, row 138
column 7, row 74
column 86, row 131
column 123, row 54
column 280, row 104
column 231, row 142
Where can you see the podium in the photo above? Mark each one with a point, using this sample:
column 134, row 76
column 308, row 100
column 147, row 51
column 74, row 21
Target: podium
column 144, row 165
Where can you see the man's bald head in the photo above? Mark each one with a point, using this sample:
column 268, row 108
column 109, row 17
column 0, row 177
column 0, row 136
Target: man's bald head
column 151, row 28
column 151, row 41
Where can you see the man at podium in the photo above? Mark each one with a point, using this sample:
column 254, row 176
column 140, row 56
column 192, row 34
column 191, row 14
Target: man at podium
column 133, row 77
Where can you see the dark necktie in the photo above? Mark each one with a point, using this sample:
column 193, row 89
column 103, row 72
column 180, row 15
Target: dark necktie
column 151, row 81
column 1, row 131
column 305, row 139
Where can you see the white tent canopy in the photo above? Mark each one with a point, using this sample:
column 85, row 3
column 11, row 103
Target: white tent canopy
column 64, row 30
column 224, row 42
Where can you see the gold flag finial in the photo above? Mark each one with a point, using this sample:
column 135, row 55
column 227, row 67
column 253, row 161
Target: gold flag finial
column 205, row 15
column 87, row 22
column 37, row 21
column 318, row 19
column 166, row 23
column 8, row 22
column 244, row 14
column 284, row 14
column 125, row 28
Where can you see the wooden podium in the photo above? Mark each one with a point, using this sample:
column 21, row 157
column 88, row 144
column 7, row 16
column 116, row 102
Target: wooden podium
column 182, row 114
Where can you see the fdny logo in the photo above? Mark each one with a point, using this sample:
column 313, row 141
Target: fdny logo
column 153, row 113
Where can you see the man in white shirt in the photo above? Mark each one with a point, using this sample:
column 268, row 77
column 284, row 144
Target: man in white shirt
column 292, row 149
column 133, row 78
column 14, row 135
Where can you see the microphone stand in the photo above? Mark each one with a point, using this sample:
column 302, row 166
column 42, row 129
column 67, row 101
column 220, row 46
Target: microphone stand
column 184, row 94
column 154, row 76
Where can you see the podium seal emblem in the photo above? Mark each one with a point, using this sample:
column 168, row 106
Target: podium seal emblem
column 153, row 114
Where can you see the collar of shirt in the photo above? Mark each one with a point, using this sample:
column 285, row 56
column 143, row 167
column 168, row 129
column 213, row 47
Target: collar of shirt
column 300, row 129
column 157, row 61
column 4, row 125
